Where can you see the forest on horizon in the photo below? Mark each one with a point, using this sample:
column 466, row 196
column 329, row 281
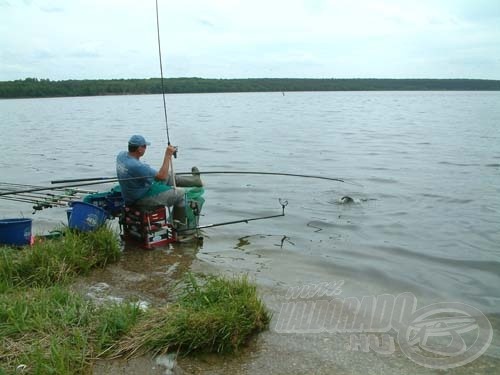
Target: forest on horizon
column 40, row 88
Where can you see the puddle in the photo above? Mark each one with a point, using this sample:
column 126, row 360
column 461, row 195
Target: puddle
column 147, row 276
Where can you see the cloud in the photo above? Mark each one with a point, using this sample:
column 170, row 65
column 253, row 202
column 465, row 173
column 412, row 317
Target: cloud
column 206, row 23
column 43, row 54
column 88, row 50
column 258, row 38
column 52, row 9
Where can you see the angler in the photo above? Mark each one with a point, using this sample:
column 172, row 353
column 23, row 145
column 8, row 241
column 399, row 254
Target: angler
column 146, row 188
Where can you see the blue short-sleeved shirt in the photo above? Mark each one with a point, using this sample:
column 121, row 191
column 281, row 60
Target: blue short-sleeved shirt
column 127, row 169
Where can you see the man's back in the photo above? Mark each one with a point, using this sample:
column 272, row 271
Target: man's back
column 135, row 177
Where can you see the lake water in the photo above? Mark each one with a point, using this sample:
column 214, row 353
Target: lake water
column 422, row 167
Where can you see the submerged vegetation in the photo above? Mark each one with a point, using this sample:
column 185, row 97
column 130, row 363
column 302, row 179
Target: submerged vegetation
column 38, row 88
column 45, row 328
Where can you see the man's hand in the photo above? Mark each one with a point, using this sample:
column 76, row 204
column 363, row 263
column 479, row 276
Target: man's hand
column 171, row 150
column 162, row 174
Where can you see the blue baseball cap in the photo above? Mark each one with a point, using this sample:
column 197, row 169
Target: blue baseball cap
column 138, row 140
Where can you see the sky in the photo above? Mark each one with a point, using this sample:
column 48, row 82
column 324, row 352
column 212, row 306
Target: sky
column 112, row 39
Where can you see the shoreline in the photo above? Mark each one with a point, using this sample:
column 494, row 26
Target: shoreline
column 42, row 88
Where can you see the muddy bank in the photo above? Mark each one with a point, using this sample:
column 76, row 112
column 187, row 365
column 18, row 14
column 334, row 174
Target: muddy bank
column 321, row 353
column 140, row 275
column 150, row 276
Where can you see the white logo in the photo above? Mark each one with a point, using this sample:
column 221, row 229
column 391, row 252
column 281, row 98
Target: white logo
column 445, row 335
column 27, row 233
column 92, row 220
column 439, row 336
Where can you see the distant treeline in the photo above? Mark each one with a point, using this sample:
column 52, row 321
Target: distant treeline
column 37, row 88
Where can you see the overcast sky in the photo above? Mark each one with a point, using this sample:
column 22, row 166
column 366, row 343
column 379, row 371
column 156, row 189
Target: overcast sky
column 100, row 39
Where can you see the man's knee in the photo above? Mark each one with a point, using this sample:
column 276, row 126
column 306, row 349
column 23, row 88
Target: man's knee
column 179, row 197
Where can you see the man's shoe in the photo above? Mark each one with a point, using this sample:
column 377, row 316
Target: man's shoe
column 189, row 181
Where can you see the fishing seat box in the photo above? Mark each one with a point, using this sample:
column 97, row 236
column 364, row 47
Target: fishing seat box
column 147, row 227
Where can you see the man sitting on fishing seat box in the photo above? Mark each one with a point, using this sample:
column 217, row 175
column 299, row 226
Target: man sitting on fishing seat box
column 145, row 187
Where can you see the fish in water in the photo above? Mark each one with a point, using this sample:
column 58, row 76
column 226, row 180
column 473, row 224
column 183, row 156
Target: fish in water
column 346, row 200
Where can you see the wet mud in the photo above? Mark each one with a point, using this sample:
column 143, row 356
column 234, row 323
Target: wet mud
column 150, row 276
column 143, row 275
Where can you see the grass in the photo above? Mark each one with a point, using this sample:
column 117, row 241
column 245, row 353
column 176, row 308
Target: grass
column 51, row 330
column 54, row 331
column 217, row 316
column 57, row 261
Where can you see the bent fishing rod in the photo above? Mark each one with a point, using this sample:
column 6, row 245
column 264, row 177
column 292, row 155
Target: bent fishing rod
column 113, row 179
column 103, row 180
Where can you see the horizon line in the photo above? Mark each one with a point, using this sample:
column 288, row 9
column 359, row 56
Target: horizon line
column 253, row 78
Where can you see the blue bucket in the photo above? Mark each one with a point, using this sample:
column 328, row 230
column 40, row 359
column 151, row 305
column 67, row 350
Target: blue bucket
column 16, row 232
column 86, row 217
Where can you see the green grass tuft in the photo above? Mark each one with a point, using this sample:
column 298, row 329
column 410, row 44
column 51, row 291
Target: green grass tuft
column 57, row 261
column 217, row 316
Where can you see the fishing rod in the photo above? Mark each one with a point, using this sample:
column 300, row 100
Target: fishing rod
column 37, row 205
column 13, row 184
column 42, row 188
column 65, row 194
column 278, row 174
column 283, row 203
column 85, row 179
column 112, row 179
column 270, row 174
column 42, row 201
column 162, row 79
column 48, row 197
column 36, row 197
column 19, row 199
column 8, row 186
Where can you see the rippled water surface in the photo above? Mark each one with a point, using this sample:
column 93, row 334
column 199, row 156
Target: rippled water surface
column 423, row 169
